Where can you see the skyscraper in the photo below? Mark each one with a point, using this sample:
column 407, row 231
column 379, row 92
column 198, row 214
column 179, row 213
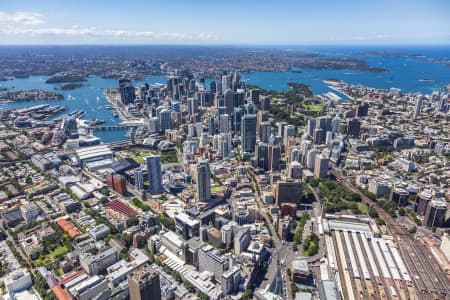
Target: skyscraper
column 203, row 181
column 248, row 133
column 154, row 174
column 320, row 166
column 143, row 283
column 139, row 179
column 418, row 107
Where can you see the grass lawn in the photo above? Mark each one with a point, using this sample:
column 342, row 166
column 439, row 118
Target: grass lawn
column 217, row 189
column 313, row 107
column 58, row 252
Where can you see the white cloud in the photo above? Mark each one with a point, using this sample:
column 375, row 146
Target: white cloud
column 21, row 17
column 76, row 31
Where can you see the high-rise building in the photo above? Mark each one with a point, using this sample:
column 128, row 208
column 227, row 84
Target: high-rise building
column 274, row 157
column 266, row 103
column 224, row 123
column 143, row 283
column 289, row 131
column 165, row 119
column 435, row 213
column 422, row 200
column 262, row 156
column 362, row 109
column 418, row 106
column 265, row 131
column 288, row 192
column 335, row 124
column 321, row 167
column 139, row 179
column 117, row 183
column 228, row 97
column 211, row 125
column 226, row 82
column 154, row 174
column 353, row 127
column 203, row 181
column 254, row 95
column 224, row 144
column 248, row 133
column 212, row 261
column 237, row 117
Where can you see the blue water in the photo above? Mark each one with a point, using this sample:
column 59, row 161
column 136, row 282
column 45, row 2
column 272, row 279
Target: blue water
column 404, row 73
column 89, row 98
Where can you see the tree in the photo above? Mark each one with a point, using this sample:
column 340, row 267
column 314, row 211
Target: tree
column 412, row 230
column 247, row 294
column 401, row 211
column 372, row 212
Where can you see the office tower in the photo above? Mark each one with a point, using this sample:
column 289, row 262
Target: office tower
column 418, row 107
column 311, row 158
column 362, row 109
column 335, row 124
column 318, row 136
column 226, row 82
column 172, row 86
column 224, row 123
column 320, row 166
column 311, row 126
column 248, row 133
column 192, row 130
column 192, row 85
column 274, row 157
column 117, row 183
column 254, row 95
column 262, row 117
column 206, row 98
column 139, row 179
column 422, row 200
column 399, row 196
column 143, row 283
column 224, row 144
column 237, row 117
column 289, row 131
column 262, row 156
column 213, row 87
column 176, row 106
column 265, row 105
column 435, row 213
column 211, row 125
column 212, row 261
column 353, row 127
column 239, row 98
column 154, row 174
column 203, row 181
column 288, row 192
column 153, row 125
column 324, row 123
column 295, row 170
column 265, row 131
column 236, row 81
column 228, row 98
column 328, row 137
column 165, row 120
column 127, row 94
column 249, row 109
column 192, row 106
column 295, row 154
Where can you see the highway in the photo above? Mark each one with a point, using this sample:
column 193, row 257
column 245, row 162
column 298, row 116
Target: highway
column 429, row 280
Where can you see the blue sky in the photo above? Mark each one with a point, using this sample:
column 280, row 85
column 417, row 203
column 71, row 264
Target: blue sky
column 269, row 22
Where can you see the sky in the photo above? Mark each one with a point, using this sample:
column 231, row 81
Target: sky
column 232, row 22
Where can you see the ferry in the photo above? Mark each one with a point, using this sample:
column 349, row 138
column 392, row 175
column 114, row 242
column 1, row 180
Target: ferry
column 108, row 106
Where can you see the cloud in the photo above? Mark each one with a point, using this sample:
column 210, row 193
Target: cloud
column 21, row 17
column 76, row 31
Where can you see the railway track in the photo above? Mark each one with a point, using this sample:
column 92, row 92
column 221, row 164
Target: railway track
column 432, row 281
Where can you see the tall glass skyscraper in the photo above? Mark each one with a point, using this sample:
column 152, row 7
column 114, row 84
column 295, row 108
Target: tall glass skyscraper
column 203, row 181
column 248, row 133
column 154, row 174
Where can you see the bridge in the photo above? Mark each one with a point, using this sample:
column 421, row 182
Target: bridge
column 111, row 127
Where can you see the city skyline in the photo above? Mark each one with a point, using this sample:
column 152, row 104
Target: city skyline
column 225, row 23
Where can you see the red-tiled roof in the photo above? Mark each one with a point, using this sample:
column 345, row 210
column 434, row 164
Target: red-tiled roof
column 122, row 208
column 73, row 233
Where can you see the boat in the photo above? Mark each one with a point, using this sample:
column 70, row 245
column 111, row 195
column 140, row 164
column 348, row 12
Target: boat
column 108, row 106
column 115, row 115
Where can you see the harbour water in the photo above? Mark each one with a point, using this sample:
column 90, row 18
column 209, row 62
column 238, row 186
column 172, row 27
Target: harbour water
column 404, row 72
